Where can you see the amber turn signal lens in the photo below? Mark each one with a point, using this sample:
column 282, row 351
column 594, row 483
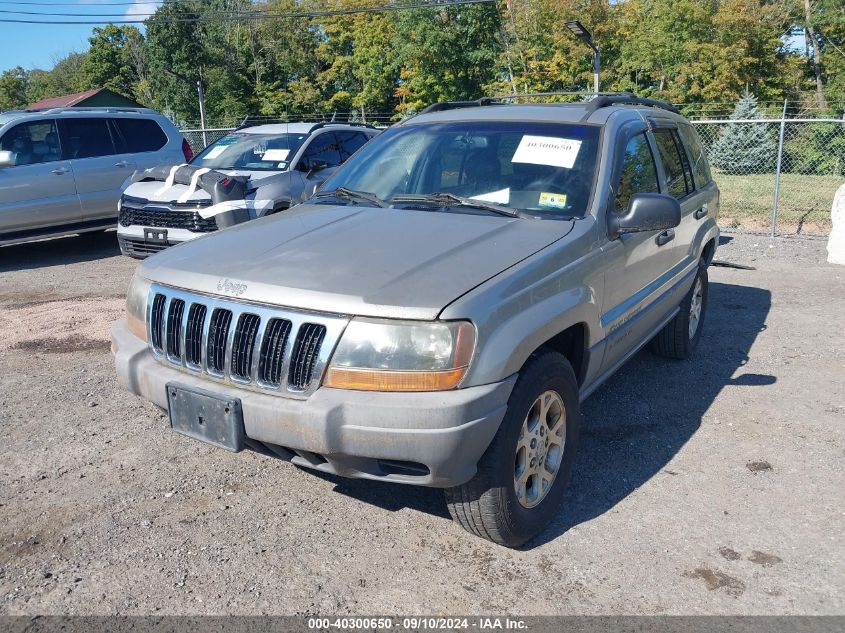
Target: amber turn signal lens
column 370, row 380
column 136, row 326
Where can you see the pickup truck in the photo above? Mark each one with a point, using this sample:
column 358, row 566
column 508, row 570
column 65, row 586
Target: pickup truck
column 436, row 313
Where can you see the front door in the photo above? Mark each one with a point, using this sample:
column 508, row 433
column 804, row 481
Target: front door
column 639, row 264
column 39, row 190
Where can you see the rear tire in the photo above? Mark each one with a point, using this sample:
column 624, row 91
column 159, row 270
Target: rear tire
column 522, row 477
column 679, row 338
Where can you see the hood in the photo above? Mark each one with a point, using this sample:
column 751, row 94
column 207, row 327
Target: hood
column 354, row 260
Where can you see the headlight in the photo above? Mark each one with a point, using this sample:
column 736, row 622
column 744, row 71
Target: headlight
column 136, row 306
column 381, row 355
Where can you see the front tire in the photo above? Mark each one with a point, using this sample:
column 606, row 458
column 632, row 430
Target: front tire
column 525, row 471
column 679, row 338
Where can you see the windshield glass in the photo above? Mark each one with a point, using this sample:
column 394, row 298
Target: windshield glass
column 255, row 152
column 542, row 168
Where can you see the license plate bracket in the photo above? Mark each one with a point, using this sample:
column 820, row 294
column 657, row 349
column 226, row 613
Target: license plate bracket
column 206, row 416
column 156, row 236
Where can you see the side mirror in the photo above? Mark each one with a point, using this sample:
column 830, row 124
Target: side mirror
column 7, row 159
column 646, row 212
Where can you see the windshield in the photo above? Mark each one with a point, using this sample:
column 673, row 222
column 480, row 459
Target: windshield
column 541, row 168
column 255, row 152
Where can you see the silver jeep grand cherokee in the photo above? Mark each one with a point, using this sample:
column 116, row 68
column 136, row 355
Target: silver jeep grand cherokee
column 436, row 313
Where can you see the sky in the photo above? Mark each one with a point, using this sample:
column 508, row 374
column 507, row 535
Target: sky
column 41, row 45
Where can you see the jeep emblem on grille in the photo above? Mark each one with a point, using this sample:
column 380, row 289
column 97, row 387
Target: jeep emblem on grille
column 231, row 287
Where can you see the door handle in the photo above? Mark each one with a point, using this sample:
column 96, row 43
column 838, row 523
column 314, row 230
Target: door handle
column 121, row 163
column 667, row 236
column 60, row 170
column 700, row 213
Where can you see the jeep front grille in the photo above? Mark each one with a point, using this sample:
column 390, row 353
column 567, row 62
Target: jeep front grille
column 261, row 348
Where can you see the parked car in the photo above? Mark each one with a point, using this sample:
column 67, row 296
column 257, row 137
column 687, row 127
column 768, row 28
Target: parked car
column 439, row 309
column 62, row 169
column 263, row 169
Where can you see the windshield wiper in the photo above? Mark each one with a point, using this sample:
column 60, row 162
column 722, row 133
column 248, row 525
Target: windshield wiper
column 452, row 200
column 353, row 195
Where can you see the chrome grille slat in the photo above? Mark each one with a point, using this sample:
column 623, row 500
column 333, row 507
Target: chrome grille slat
column 256, row 347
column 272, row 353
column 309, row 339
column 174, row 348
column 194, row 335
column 218, row 339
column 243, row 346
column 156, row 321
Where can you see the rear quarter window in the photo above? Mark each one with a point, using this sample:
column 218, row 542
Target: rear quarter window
column 141, row 135
column 700, row 168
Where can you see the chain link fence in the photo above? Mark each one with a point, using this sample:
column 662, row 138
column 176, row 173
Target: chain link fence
column 775, row 175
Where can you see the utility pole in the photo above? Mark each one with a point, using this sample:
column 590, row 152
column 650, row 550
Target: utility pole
column 200, row 96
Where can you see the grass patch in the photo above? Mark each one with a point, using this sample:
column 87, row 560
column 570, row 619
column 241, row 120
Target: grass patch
column 804, row 205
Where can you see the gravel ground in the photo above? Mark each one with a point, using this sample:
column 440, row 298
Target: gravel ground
column 710, row 486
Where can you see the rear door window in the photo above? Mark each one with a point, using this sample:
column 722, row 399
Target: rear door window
column 639, row 174
column 85, row 138
column 678, row 174
column 140, row 135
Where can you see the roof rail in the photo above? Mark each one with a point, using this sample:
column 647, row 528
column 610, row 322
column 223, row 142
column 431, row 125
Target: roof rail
column 317, row 126
column 454, row 105
column 113, row 109
column 560, row 93
column 599, row 100
column 314, row 126
column 603, row 101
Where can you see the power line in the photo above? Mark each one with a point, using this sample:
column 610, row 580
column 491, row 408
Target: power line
column 228, row 16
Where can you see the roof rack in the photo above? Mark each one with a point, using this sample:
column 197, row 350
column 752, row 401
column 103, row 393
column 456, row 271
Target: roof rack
column 112, row 109
column 317, row 126
column 314, row 125
column 629, row 98
column 600, row 100
column 454, row 105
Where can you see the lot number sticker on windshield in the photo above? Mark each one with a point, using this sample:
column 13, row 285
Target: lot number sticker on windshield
column 275, row 154
column 547, row 150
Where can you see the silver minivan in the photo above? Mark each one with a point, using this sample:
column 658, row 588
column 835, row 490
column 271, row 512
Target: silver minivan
column 62, row 169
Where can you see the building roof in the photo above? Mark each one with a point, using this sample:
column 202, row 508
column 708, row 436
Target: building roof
column 100, row 95
column 65, row 101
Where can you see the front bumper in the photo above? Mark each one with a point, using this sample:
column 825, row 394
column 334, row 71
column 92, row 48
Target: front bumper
column 133, row 243
column 351, row 433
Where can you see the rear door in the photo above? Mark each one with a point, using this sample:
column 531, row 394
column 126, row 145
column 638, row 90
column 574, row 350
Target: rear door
column 39, row 191
column 90, row 146
column 703, row 201
column 140, row 140
column 679, row 183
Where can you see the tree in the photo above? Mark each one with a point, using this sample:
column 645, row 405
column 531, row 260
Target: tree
column 13, row 85
column 447, row 53
column 110, row 63
column 66, row 77
column 744, row 148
